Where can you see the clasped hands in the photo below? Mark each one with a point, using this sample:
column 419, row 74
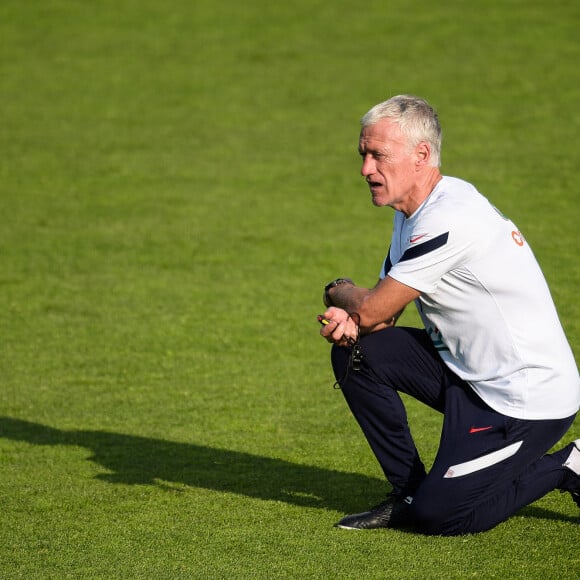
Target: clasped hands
column 341, row 329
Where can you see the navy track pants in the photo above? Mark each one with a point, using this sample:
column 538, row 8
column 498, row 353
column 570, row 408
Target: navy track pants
column 487, row 466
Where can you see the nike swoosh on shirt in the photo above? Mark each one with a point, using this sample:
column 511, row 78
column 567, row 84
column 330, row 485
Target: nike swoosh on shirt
column 414, row 239
column 425, row 247
column 478, row 429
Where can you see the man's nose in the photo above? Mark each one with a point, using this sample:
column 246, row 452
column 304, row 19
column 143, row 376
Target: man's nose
column 368, row 166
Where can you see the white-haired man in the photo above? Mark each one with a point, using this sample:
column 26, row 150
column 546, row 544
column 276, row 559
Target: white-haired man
column 493, row 357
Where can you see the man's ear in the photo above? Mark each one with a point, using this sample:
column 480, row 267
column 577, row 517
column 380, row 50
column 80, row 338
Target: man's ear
column 423, row 153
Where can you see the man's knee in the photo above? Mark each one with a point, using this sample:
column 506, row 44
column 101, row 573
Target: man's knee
column 434, row 515
column 427, row 516
column 390, row 340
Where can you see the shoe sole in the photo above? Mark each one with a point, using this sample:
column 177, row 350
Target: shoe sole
column 346, row 527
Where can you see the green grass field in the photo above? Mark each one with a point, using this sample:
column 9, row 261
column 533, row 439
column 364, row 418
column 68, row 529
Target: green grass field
column 177, row 181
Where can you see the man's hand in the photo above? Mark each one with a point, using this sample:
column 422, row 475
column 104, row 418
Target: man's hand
column 341, row 328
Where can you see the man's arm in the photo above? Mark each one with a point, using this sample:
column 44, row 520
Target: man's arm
column 375, row 308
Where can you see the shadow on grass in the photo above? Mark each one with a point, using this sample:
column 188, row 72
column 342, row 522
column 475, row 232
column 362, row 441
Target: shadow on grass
column 544, row 514
column 146, row 461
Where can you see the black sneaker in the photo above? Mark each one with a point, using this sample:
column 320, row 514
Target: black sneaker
column 394, row 512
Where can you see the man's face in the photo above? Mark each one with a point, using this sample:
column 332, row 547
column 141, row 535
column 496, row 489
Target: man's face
column 388, row 165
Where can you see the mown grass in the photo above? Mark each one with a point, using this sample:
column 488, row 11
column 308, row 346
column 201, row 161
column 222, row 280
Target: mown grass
column 177, row 181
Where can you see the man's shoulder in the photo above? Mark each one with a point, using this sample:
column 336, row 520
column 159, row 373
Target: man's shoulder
column 456, row 209
column 452, row 190
column 455, row 200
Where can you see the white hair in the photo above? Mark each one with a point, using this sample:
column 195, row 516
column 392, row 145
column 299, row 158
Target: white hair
column 416, row 118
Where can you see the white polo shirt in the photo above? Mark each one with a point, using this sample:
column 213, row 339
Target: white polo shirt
column 485, row 303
